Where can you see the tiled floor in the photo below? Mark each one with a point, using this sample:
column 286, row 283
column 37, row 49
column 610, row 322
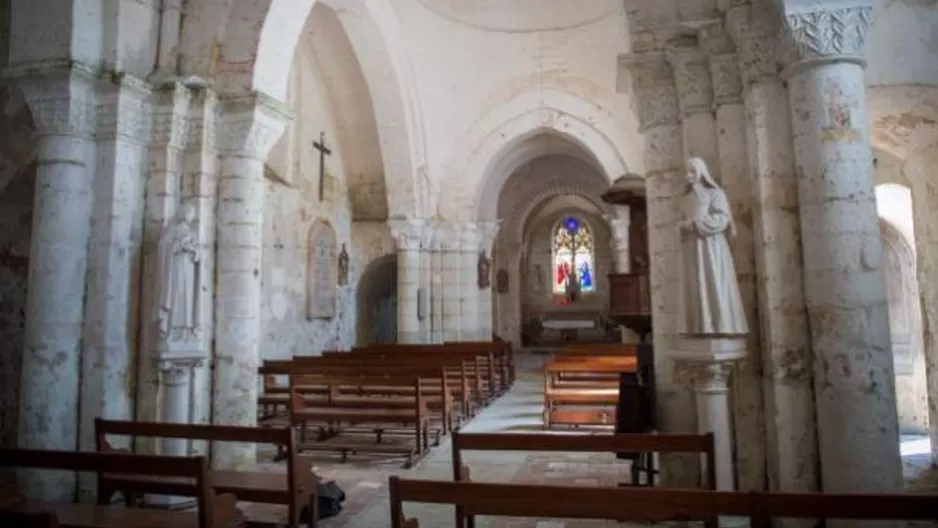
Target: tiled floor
column 365, row 481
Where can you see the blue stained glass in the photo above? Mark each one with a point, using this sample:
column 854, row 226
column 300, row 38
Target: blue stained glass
column 572, row 224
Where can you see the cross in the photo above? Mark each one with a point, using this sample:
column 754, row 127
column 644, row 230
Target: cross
column 323, row 152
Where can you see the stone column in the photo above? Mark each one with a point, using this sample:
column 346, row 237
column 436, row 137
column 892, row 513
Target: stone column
column 844, row 285
column 786, row 350
column 408, row 233
column 695, row 96
column 164, row 181
column 175, row 407
column 652, row 83
column 449, row 278
column 733, row 169
column 710, row 382
column 248, row 127
column 436, row 285
column 468, row 282
column 423, row 293
column 62, row 105
column 109, row 339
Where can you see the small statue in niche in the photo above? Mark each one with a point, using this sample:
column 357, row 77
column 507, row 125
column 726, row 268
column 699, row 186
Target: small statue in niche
column 711, row 301
column 501, row 281
column 178, row 311
column 343, row 267
column 485, row 272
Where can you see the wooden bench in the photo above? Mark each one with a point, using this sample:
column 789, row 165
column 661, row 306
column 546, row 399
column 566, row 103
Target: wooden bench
column 296, row 489
column 586, row 399
column 28, row 520
column 580, row 443
column 601, row 349
column 445, row 383
column 334, row 416
column 214, row 510
column 655, row 505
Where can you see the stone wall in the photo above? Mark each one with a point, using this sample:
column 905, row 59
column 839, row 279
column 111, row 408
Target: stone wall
column 16, row 210
column 377, row 302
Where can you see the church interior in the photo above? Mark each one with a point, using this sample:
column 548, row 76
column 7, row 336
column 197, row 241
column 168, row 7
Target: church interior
column 514, row 263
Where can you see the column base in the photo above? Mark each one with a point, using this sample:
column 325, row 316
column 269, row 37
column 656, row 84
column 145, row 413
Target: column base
column 170, row 502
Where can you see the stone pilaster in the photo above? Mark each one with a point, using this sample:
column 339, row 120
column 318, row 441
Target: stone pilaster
column 426, row 279
column 62, row 101
column 844, row 285
column 248, row 127
column 732, row 165
column 468, row 281
column 695, row 96
column 408, row 234
column 786, row 352
column 450, row 280
column 659, row 116
column 170, row 107
column 435, row 295
column 200, row 188
column 109, row 338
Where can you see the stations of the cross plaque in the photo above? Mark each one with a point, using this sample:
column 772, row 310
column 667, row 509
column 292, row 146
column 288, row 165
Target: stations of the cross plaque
column 323, row 152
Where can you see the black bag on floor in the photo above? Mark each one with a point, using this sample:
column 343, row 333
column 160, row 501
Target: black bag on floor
column 329, row 499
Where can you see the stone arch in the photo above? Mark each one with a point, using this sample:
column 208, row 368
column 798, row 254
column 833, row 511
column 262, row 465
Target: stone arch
column 476, row 170
column 322, row 271
column 905, row 323
column 376, row 301
column 254, row 52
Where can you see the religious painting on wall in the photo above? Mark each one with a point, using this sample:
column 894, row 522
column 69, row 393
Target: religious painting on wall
column 572, row 257
column 322, row 272
column 485, row 272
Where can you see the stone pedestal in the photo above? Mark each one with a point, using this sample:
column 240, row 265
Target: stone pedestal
column 706, row 362
column 175, row 363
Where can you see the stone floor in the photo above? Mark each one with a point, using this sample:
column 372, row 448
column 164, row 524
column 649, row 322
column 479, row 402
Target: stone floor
column 365, row 481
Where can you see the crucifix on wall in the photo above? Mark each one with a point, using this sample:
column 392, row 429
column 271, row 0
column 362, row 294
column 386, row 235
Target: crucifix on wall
column 323, row 152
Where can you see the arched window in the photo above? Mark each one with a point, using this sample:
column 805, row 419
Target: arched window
column 572, row 256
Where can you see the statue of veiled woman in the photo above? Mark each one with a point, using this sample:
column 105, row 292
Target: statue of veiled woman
column 178, row 311
column 711, row 300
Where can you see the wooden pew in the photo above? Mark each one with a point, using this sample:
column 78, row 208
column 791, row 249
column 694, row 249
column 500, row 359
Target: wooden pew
column 619, row 444
column 214, row 510
column 601, row 349
column 445, row 381
column 296, row 489
column 482, row 363
column 28, row 520
column 655, row 504
column 586, row 400
column 504, row 355
column 335, row 416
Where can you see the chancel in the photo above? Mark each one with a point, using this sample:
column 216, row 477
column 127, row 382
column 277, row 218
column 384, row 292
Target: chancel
column 297, row 248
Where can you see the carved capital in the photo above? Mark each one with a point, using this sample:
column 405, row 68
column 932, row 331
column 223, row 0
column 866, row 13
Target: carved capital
column 61, row 96
column 704, row 376
column 488, row 231
column 175, row 372
column 250, row 125
column 469, row 237
column 124, row 109
column 408, row 232
column 654, row 89
column 664, row 147
column 754, row 31
column 691, row 75
column 170, row 125
column 727, row 85
column 824, row 33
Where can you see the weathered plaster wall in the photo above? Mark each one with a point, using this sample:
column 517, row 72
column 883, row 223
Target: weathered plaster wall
column 902, row 44
column 377, row 302
column 16, row 210
column 292, row 207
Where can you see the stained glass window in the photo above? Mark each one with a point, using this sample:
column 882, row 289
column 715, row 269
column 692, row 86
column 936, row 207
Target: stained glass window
column 572, row 256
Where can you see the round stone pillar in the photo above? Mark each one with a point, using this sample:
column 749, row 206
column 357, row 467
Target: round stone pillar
column 408, row 233
column 854, row 383
column 468, row 282
column 248, row 127
column 62, row 105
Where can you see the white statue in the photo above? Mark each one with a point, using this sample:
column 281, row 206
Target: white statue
column 178, row 314
column 711, row 301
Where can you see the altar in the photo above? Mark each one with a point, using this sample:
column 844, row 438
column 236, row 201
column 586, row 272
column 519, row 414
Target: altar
column 569, row 328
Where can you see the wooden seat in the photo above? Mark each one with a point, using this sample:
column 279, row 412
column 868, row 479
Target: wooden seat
column 584, row 390
column 214, row 510
column 296, row 488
